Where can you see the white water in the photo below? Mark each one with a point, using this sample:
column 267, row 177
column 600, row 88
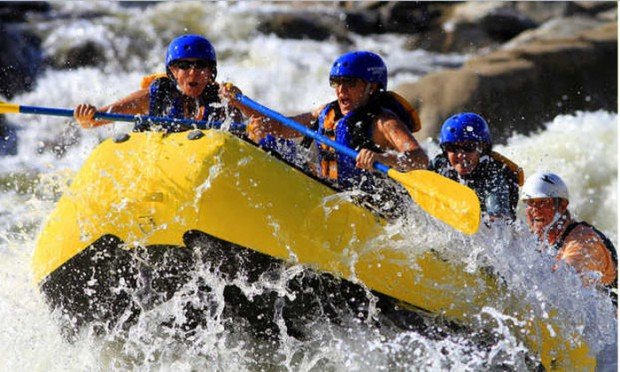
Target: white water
column 290, row 76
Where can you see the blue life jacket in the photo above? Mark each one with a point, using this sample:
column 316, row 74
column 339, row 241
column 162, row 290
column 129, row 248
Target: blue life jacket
column 495, row 180
column 354, row 130
column 167, row 101
column 286, row 148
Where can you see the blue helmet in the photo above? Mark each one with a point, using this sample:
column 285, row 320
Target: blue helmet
column 191, row 46
column 364, row 65
column 465, row 127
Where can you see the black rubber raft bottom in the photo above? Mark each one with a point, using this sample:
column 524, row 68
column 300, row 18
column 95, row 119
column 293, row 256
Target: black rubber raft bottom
column 107, row 287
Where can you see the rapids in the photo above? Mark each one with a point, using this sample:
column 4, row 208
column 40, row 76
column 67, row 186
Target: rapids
column 289, row 76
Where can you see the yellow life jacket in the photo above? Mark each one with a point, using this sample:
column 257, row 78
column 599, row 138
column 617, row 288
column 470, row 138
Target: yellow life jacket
column 148, row 79
column 415, row 118
column 328, row 164
column 517, row 170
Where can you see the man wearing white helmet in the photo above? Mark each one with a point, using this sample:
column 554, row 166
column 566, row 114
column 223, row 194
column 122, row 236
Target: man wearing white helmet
column 579, row 244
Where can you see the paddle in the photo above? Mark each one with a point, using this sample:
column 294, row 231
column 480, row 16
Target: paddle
column 443, row 198
column 11, row 108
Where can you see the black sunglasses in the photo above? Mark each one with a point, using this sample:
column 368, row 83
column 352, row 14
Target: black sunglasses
column 462, row 147
column 186, row 65
column 347, row 82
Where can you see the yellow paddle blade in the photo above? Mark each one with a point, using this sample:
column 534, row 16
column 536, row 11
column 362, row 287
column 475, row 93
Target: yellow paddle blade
column 447, row 200
column 9, row 108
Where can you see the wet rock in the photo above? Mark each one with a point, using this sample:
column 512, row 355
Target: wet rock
column 302, row 26
column 609, row 15
column 20, row 60
column 474, row 25
column 568, row 27
column 462, row 27
column 408, row 16
column 542, row 11
column 362, row 22
column 87, row 53
column 363, row 18
column 137, row 4
column 519, row 89
column 504, row 23
column 361, row 5
column 433, row 41
column 18, row 11
column 591, row 8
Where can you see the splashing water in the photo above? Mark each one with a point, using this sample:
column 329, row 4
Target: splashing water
column 32, row 337
column 582, row 148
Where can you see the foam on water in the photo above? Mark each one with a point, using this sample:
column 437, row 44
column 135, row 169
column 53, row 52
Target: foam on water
column 290, row 76
column 32, row 339
column 582, row 149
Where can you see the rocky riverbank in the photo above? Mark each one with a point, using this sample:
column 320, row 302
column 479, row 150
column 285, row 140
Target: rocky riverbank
column 521, row 86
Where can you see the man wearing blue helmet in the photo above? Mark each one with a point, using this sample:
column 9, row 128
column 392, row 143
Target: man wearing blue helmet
column 365, row 117
column 467, row 157
column 187, row 91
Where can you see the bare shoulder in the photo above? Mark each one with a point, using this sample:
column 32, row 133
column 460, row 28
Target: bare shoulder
column 134, row 96
column 387, row 120
column 135, row 103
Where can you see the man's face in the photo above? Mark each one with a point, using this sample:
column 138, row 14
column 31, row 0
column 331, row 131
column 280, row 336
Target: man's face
column 464, row 157
column 540, row 213
column 351, row 93
column 192, row 76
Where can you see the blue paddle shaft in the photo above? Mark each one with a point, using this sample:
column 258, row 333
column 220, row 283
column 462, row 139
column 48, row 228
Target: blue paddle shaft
column 304, row 130
column 200, row 124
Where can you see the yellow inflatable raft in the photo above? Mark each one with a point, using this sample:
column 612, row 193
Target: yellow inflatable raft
column 152, row 192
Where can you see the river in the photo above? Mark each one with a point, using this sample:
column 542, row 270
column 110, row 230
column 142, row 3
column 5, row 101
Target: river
column 289, row 76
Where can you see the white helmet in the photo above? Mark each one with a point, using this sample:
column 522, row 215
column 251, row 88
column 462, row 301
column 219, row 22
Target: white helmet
column 544, row 185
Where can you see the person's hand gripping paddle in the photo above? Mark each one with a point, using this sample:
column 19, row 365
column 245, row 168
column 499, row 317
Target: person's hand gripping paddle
column 445, row 199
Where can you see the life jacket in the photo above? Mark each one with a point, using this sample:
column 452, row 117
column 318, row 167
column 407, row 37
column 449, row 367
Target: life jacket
column 495, row 184
column 613, row 287
column 285, row 148
column 148, row 79
column 354, row 130
column 517, row 170
column 167, row 101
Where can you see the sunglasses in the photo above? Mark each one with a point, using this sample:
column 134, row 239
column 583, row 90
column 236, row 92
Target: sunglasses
column 540, row 203
column 186, row 65
column 345, row 82
column 462, row 147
